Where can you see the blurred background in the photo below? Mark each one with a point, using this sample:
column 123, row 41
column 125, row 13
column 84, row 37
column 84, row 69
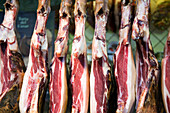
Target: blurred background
column 159, row 22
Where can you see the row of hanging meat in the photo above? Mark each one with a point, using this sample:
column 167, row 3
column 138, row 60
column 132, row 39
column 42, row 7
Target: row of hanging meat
column 137, row 86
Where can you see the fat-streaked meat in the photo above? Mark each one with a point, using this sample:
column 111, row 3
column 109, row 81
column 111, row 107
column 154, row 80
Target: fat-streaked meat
column 100, row 77
column 166, row 75
column 58, row 80
column 36, row 78
column 79, row 69
column 147, row 90
column 124, row 67
column 11, row 63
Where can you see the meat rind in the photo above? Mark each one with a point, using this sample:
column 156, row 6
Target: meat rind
column 124, row 67
column 36, row 78
column 12, row 67
column 80, row 84
column 100, row 76
column 58, row 76
column 147, row 90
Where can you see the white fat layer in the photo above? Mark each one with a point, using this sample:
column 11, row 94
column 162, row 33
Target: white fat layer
column 125, row 13
column 79, row 47
column 41, row 23
column 165, row 91
column 116, row 54
column 85, row 88
column 7, row 29
column 24, row 90
column 99, row 46
column 61, row 46
column 80, row 26
column 123, row 34
column 63, row 22
column 9, row 35
column 105, row 66
column 131, row 81
column 4, row 33
column 64, row 86
column 99, row 50
column 39, row 37
column 141, row 13
column 11, row 39
column 146, row 32
column 93, row 103
column 45, row 44
column 41, row 41
column 9, row 19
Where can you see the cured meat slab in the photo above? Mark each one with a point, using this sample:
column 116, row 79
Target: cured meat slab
column 11, row 63
column 79, row 66
column 35, row 79
column 166, row 75
column 124, row 67
column 147, row 90
column 58, row 79
column 100, row 76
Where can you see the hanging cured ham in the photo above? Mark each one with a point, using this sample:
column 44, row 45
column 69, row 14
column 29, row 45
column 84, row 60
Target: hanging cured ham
column 11, row 63
column 79, row 67
column 100, row 77
column 35, row 79
column 147, row 96
column 124, row 67
column 165, row 75
column 58, row 80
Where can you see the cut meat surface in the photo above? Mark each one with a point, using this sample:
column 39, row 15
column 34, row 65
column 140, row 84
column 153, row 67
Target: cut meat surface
column 166, row 75
column 11, row 63
column 103, row 84
column 79, row 69
column 58, row 80
column 100, row 77
column 148, row 98
column 58, row 86
column 125, row 72
column 35, row 78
